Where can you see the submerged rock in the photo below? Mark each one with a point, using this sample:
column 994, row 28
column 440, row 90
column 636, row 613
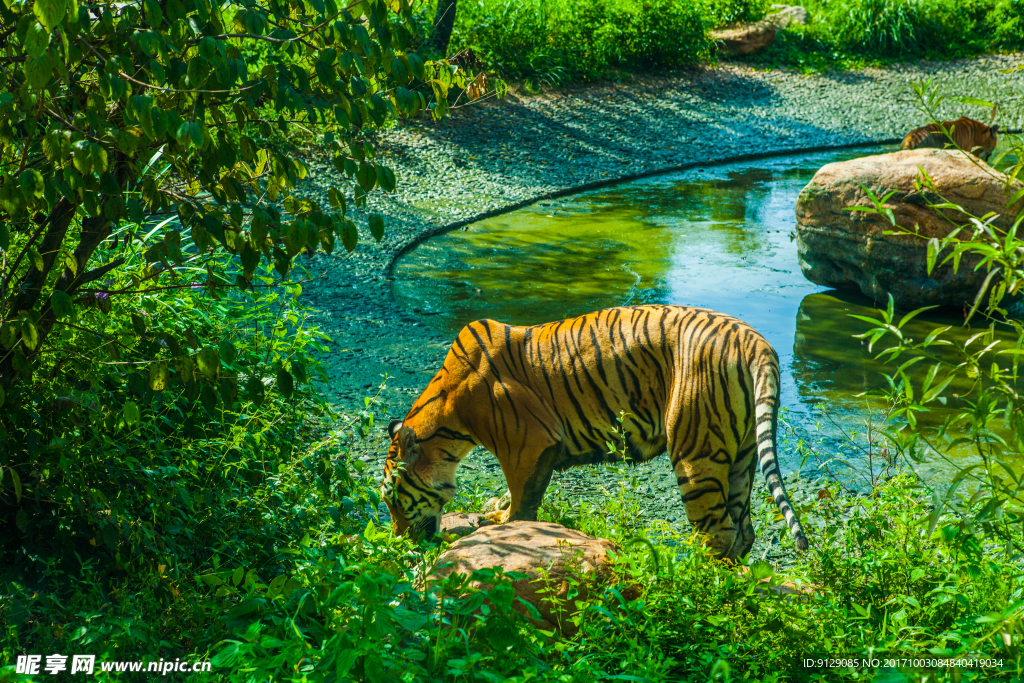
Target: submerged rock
column 846, row 249
column 553, row 557
column 744, row 39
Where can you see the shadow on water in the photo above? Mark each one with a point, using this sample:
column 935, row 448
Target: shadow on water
column 719, row 238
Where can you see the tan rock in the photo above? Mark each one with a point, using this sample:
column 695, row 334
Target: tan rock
column 744, row 39
column 462, row 523
column 847, row 249
column 534, row 548
column 787, row 15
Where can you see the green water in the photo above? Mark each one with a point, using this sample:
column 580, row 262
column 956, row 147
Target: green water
column 719, row 237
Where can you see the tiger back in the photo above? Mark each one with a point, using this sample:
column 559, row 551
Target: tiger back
column 700, row 385
column 969, row 135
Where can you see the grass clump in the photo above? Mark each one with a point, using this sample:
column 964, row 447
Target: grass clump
column 555, row 43
column 860, row 32
column 558, row 42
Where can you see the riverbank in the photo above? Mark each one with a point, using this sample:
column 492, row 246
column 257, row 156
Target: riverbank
column 495, row 156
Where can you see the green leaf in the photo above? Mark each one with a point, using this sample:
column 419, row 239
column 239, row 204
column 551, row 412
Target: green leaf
column 32, row 184
column 8, row 335
column 21, row 363
column 158, row 376
column 974, row 101
column 208, row 48
column 38, row 70
column 49, row 12
column 366, row 176
column 37, row 39
column 3, row 396
column 29, row 335
column 36, row 259
column 132, row 414
column 255, row 389
column 761, row 570
column 151, row 8
column 932, row 254
column 349, row 235
column 386, row 179
column 285, row 383
column 16, row 478
column 209, row 362
column 376, row 226
column 227, row 350
column 61, row 304
column 195, row 133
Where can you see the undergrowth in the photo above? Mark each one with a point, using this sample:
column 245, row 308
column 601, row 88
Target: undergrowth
column 556, row 43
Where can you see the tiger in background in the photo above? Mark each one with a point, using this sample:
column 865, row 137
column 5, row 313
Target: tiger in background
column 702, row 385
column 969, row 135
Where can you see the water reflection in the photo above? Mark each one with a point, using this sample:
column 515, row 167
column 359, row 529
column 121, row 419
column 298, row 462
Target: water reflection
column 719, row 238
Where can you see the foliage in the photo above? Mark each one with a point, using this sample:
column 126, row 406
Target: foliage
column 867, row 31
column 556, row 42
column 154, row 368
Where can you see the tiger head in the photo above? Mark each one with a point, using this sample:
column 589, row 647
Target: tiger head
column 416, row 486
column 986, row 139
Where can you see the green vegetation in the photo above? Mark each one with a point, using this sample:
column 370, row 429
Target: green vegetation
column 552, row 43
column 172, row 484
column 872, row 31
column 558, row 42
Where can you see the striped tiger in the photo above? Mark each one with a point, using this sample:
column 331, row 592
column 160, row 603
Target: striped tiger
column 968, row 134
column 702, row 385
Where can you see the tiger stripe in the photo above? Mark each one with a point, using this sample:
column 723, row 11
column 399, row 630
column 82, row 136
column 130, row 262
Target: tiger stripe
column 969, row 135
column 700, row 385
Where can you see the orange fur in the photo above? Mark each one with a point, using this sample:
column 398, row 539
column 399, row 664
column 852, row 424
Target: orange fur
column 701, row 385
column 968, row 135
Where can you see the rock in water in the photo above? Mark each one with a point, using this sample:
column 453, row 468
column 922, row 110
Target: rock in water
column 848, row 249
column 532, row 548
column 744, row 39
column 785, row 15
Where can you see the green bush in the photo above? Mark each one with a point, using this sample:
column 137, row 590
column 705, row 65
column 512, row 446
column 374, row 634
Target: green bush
column 556, row 42
column 870, row 31
column 1007, row 18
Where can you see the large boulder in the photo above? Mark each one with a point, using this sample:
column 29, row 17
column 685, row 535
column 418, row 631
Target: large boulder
column 785, row 15
column 550, row 555
column 848, row 249
column 744, row 39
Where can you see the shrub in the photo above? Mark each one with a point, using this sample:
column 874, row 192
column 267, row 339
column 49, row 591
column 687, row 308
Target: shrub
column 555, row 42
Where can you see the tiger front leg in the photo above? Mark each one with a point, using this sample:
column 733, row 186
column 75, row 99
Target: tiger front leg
column 527, row 483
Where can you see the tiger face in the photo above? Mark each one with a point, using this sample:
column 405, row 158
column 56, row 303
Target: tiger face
column 987, row 141
column 415, row 488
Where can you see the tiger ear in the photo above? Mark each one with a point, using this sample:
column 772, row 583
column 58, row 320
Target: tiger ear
column 394, row 427
column 407, row 445
column 994, row 128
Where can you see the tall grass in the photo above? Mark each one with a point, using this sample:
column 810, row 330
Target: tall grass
column 557, row 41
column 560, row 41
column 872, row 31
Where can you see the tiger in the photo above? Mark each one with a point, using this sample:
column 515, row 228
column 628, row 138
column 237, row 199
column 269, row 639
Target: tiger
column 968, row 134
column 699, row 385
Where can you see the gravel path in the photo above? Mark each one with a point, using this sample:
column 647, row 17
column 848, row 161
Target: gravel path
column 491, row 157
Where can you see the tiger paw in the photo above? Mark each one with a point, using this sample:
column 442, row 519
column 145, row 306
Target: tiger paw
column 497, row 517
column 494, row 505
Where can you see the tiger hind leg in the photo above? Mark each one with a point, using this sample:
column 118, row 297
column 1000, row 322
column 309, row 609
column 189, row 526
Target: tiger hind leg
column 741, row 481
column 703, row 481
